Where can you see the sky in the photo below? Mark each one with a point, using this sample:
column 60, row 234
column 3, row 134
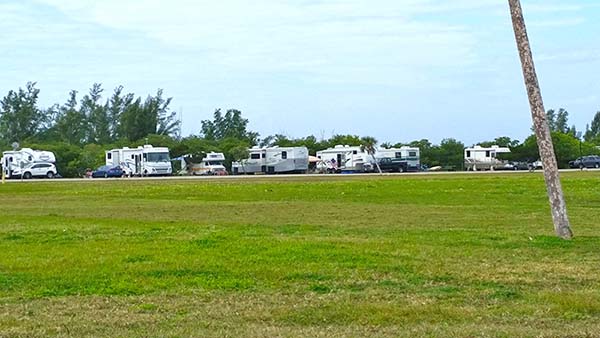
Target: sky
column 398, row 70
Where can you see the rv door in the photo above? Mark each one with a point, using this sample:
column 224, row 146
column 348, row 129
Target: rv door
column 138, row 163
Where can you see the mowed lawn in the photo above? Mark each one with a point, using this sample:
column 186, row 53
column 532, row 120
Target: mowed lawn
column 345, row 256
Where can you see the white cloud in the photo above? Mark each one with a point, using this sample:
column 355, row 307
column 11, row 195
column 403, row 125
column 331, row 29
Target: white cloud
column 332, row 39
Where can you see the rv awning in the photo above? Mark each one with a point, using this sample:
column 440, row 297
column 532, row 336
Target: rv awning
column 313, row 159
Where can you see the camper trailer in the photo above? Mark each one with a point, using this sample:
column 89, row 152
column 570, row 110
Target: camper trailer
column 211, row 164
column 411, row 155
column 481, row 158
column 141, row 161
column 13, row 162
column 273, row 160
column 344, row 159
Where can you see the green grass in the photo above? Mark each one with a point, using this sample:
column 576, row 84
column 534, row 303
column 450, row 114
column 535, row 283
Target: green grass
column 408, row 256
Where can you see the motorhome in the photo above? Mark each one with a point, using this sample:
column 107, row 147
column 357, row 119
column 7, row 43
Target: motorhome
column 211, row 164
column 484, row 158
column 411, row 155
column 344, row 158
column 273, row 160
column 141, row 161
column 13, row 162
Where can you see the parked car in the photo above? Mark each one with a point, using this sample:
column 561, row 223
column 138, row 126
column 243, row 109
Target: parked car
column 591, row 161
column 393, row 164
column 47, row 170
column 108, row 171
column 513, row 166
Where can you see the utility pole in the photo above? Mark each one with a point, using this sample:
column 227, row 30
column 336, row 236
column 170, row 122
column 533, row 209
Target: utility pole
column 540, row 124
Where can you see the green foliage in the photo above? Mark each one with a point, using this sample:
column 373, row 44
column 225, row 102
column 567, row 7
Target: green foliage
column 592, row 133
column 566, row 148
column 20, row 117
column 228, row 125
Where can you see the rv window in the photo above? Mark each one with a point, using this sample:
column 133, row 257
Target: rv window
column 284, row 155
column 30, row 158
column 355, row 152
column 264, row 155
column 10, row 159
column 487, row 153
column 412, row 154
column 109, row 156
column 398, row 155
column 145, row 157
column 132, row 157
column 255, row 156
column 468, row 154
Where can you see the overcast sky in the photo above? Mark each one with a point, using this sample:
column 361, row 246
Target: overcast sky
column 397, row 70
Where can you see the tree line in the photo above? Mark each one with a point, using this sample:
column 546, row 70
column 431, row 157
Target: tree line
column 79, row 131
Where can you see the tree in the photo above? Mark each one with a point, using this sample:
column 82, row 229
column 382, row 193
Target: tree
column 368, row 144
column 450, row 153
column 153, row 116
column 240, row 154
column 71, row 125
column 593, row 132
column 541, row 127
column 228, row 125
column 98, row 129
column 20, row 117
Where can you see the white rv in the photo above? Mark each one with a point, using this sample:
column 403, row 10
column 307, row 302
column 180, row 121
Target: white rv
column 14, row 162
column 344, row 158
column 274, row 160
column 211, row 164
column 480, row 158
column 411, row 155
column 141, row 161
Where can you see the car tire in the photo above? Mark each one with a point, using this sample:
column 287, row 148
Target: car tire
column 27, row 175
column 597, row 165
column 105, row 175
column 400, row 169
column 49, row 174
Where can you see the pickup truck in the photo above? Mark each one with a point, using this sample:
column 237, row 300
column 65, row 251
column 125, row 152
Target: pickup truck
column 393, row 165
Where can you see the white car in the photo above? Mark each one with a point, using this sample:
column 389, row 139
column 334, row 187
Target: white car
column 47, row 170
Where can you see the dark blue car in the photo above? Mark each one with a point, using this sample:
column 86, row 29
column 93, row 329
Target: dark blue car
column 108, row 171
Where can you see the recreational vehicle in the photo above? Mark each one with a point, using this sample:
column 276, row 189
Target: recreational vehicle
column 14, row 162
column 141, row 161
column 481, row 158
column 274, row 160
column 411, row 155
column 211, row 164
column 343, row 158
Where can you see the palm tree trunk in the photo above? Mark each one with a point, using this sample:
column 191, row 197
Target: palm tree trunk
column 542, row 130
column 377, row 164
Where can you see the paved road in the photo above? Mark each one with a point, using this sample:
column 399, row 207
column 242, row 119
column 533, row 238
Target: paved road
column 308, row 176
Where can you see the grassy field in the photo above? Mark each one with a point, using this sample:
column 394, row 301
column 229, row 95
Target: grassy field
column 392, row 256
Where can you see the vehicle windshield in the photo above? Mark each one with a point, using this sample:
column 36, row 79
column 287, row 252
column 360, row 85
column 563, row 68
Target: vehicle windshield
column 158, row 157
column 215, row 162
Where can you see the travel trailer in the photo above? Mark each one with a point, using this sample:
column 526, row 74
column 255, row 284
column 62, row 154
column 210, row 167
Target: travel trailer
column 481, row 158
column 141, row 161
column 13, row 162
column 211, row 164
column 411, row 155
column 344, row 158
column 274, row 160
